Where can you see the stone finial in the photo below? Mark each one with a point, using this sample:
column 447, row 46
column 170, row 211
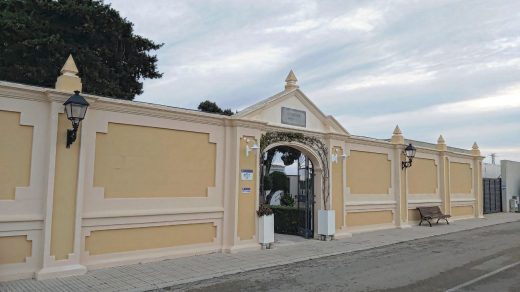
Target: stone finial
column 291, row 81
column 475, row 151
column 397, row 130
column 397, row 137
column 70, row 66
column 441, row 144
column 68, row 80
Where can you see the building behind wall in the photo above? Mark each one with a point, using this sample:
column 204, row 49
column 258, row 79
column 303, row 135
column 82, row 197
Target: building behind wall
column 490, row 170
column 510, row 173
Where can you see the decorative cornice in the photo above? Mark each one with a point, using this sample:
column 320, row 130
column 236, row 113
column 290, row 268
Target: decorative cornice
column 370, row 142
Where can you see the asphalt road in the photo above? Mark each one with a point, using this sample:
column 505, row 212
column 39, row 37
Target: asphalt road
column 484, row 259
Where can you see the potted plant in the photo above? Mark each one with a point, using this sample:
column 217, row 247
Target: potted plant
column 265, row 226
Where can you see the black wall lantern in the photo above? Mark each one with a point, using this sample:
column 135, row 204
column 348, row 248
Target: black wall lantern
column 409, row 152
column 75, row 108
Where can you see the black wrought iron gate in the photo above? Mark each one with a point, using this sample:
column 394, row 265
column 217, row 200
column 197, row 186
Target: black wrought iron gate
column 305, row 199
column 492, row 195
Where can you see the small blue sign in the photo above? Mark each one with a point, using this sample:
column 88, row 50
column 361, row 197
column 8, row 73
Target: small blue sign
column 246, row 174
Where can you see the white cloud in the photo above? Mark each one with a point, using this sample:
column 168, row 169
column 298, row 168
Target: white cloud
column 363, row 19
column 295, row 27
column 260, row 58
column 508, row 98
column 387, row 79
column 505, row 43
column 451, row 117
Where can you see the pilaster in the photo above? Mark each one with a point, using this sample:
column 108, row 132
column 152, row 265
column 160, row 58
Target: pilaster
column 400, row 184
column 444, row 175
column 230, row 188
column 55, row 232
column 477, row 180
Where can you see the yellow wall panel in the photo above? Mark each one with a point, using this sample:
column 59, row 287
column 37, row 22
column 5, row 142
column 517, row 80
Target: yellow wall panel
column 247, row 201
column 142, row 238
column 460, row 178
column 14, row 249
column 368, row 173
column 369, row 218
column 65, row 186
column 15, row 154
column 462, row 211
column 422, row 176
column 414, row 215
column 337, row 189
column 142, row 162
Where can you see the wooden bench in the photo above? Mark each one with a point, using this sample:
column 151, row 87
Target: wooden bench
column 429, row 213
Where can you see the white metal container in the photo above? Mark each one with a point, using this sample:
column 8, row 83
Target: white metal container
column 513, row 205
column 266, row 229
column 326, row 222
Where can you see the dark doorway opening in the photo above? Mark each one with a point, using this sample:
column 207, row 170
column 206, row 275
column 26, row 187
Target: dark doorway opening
column 287, row 186
column 492, row 195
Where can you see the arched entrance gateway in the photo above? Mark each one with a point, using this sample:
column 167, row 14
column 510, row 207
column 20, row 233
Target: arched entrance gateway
column 293, row 180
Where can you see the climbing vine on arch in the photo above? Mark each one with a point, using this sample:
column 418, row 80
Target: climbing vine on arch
column 314, row 143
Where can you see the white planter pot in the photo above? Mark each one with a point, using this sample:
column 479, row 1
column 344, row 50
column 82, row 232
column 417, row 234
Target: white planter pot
column 266, row 229
column 326, row 222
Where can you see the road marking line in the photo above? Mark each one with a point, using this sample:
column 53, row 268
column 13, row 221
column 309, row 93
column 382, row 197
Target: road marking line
column 483, row 277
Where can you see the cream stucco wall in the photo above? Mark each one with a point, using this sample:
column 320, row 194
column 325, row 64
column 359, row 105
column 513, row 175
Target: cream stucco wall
column 273, row 114
column 422, row 177
column 65, row 186
column 143, row 162
column 338, row 204
column 247, row 201
column 414, row 215
column 445, row 184
column 15, row 154
column 368, row 173
column 14, row 249
column 132, row 239
column 462, row 211
column 355, row 219
column 460, row 178
column 403, row 197
column 126, row 192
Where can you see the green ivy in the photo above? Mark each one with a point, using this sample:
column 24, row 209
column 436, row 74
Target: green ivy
column 314, row 143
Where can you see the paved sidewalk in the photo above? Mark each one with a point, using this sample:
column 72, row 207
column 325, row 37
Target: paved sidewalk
column 148, row 276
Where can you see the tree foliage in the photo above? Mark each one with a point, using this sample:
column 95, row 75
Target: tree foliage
column 36, row 38
column 278, row 181
column 211, row 107
column 288, row 156
column 287, row 200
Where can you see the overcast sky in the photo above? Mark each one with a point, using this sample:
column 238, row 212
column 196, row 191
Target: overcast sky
column 433, row 67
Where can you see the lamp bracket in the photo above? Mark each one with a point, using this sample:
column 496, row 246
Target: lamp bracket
column 71, row 134
column 406, row 164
